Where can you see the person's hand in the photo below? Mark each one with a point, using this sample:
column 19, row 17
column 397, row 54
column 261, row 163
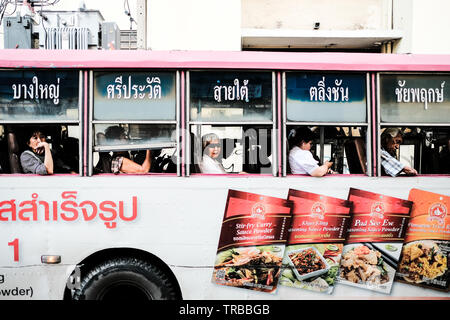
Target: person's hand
column 42, row 146
column 410, row 171
column 328, row 164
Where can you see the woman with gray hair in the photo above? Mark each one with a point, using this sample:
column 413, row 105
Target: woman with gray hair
column 212, row 149
column 391, row 138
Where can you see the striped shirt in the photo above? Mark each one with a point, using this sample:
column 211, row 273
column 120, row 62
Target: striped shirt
column 390, row 165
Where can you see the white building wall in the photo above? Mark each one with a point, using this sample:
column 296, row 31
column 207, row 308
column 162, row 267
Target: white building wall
column 194, row 25
column 425, row 24
column 302, row 14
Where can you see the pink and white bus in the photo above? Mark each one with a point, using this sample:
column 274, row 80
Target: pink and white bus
column 93, row 232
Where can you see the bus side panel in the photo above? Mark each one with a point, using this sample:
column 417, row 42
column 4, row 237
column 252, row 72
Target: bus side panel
column 176, row 219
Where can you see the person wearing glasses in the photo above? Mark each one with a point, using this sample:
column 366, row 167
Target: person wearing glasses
column 212, row 149
column 391, row 139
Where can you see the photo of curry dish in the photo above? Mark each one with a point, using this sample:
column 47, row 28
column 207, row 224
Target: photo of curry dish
column 363, row 265
column 307, row 261
column 422, row 260
column 258, row 268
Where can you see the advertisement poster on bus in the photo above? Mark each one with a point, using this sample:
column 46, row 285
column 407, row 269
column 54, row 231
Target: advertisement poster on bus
column 424, row 260
column 316, row 238
column 252, row 241
column 375, row 237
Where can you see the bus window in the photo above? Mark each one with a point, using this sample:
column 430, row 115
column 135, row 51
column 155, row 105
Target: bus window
column 231, row 149
column 425, row 149
column 231, row 122
column 45, row 102
column 135, row 117
column 334, row 107
column 132, row 141
column 62, row 140
column 345, row 147
column 418, row 107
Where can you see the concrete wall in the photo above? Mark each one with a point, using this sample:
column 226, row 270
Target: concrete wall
column 302, row 14
column 194, row 25
column 425, row 24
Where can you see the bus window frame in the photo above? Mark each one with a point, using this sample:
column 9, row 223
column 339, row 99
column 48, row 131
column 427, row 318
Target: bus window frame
column 381, row 125
column 272, row 123
column 367, row 124
column 78, row 122
column 91, row 122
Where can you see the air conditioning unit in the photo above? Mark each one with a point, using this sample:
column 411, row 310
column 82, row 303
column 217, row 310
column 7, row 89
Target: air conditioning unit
column 73, row 38
column 110, row 36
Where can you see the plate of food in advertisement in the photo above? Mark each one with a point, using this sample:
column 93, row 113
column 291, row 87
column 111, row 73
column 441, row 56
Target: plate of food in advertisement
column 422, row 261
column 364, row 266
column 256, row 267
column 307, row 262
column 320, row 282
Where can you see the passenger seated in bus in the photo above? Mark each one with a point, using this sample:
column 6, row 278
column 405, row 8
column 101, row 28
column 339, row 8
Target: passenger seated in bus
column 391, row 138
column 121, row 160
column 39, row 158
column 301, row 159
column 212, row 149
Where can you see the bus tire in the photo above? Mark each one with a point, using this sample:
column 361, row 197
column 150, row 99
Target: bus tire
column 125, row 279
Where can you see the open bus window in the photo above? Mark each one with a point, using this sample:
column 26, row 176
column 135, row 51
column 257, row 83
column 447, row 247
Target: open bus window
column 426, row 149
column 231, row 149
column 132, row 141
column 344, row 146
column 63, row 141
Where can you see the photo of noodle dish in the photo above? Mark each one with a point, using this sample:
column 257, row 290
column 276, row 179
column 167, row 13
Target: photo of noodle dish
column 256, row 268
column 421, row 261
column 365, row 267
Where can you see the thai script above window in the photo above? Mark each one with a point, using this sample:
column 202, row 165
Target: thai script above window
column 126, row 89
column 321, row 92
column 232, row 92
column 431, row 95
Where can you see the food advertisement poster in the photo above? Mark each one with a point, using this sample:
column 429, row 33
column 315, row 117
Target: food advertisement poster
column 375, row 238
column 315, row 241
column 252, row 241
column 425, row 254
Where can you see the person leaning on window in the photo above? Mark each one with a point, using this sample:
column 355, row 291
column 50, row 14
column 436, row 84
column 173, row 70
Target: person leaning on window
column 39, row 158
column 212, row 149
column 120, row 161
column 301, row 159
column 391, row 138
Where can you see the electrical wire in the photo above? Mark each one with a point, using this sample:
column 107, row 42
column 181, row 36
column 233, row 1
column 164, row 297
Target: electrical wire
column 4, row 4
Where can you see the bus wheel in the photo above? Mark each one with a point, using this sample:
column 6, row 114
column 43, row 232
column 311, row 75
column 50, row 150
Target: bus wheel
column 125, row 279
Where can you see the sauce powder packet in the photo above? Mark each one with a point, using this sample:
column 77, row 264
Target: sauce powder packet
column 252, row 241
column 426, row 252
column 375, row 238
column 315, row 243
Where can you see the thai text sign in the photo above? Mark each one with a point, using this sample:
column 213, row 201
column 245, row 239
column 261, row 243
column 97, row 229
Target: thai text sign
column 231, row 96
column 134, row 96
column 414, row 98
column 326, row 97
column 39, row 95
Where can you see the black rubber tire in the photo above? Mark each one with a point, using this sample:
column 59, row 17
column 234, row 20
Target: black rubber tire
column 125, row 279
